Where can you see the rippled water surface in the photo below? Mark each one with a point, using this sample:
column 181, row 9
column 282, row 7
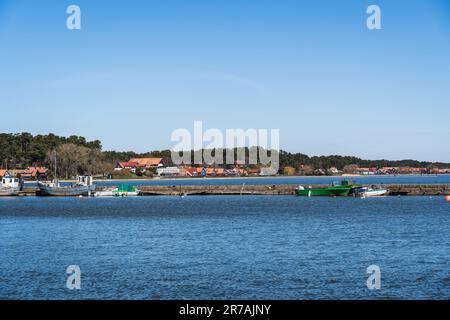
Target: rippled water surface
column 224, row 247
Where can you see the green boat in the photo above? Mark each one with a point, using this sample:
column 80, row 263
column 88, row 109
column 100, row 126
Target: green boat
column 335, row 190
column 125, row 190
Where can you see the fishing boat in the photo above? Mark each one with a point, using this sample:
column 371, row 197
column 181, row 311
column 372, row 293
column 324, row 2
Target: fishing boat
column 369, row 192
column 83, row 187
column 335, row 190
column 10, row 186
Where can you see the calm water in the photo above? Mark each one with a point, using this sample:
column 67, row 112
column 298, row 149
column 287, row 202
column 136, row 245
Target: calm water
column 222, row 247
column 425, row 179
column 405, row 179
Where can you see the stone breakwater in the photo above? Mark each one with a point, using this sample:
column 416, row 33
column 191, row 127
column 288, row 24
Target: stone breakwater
column 394, row 190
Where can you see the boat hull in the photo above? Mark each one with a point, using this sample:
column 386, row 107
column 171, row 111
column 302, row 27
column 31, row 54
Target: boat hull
column 374, row 193
column 115, row 193
column 324, row 192
column 126, row 194
column 75, row 191
column 126, row 191
column 9, row 192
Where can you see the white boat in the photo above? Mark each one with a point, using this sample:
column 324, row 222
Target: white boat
column 10, row 186
column 369, row 192
column 121, row 191
column 105, row 192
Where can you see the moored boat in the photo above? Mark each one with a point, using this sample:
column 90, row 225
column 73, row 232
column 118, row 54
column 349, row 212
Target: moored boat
column 369, row 192
column 10, row 186
column 126, row 190
column 83, row 187
column 123, row 190
column 335, row 190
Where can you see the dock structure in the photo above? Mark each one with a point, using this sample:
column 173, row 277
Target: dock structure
column 218, row 190
column 418, row 189
column 275, row 190
column 394, row 190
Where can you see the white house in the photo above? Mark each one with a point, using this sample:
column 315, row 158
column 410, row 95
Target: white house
column 168, row 171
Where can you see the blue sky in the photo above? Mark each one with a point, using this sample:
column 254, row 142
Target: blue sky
column 140, row 69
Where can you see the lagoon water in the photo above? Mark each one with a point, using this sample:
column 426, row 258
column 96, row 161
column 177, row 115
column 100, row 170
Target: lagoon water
column 225, row 247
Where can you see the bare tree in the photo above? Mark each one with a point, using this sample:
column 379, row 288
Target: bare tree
column 73, row 160
column 307, row 170
column 351, row 168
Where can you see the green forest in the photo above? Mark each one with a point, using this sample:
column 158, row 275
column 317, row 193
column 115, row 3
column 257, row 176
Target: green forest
column 76, row 154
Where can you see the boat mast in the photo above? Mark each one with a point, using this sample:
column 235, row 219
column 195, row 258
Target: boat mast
column 55, row 168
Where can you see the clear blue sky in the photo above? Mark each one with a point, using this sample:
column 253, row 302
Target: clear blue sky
column 140, row 69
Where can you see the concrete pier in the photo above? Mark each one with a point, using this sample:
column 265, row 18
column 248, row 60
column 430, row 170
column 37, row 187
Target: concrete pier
column 418, row 189
column 394, row 190
column 219, row 190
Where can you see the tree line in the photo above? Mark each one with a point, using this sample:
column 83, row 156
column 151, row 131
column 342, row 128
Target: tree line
column 76, row 155
column 340, row 162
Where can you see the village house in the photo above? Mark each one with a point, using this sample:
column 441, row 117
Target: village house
column 439, row 171
column 366, row 171
column 38, row 173
column 333, row 171
column 188, row 171
column 148, row 163
column 4, row 173
column 202, row 171
column 192, row 171
column 388, row 170
column 418, row 170
column 30, row 173
column 410, row 170
column 132, row 166
column 140, row 163
column 168, row 171
column 214, row 172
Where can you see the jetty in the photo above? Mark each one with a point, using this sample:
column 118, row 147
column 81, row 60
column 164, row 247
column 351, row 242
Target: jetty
column 394, row 190
column 275, row 190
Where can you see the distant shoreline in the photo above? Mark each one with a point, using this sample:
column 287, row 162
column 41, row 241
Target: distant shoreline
column 257, row 177
column 269, row 177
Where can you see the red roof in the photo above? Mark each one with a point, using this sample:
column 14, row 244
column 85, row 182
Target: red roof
column 147, row 162
column 128, row 164
column 36, row 170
